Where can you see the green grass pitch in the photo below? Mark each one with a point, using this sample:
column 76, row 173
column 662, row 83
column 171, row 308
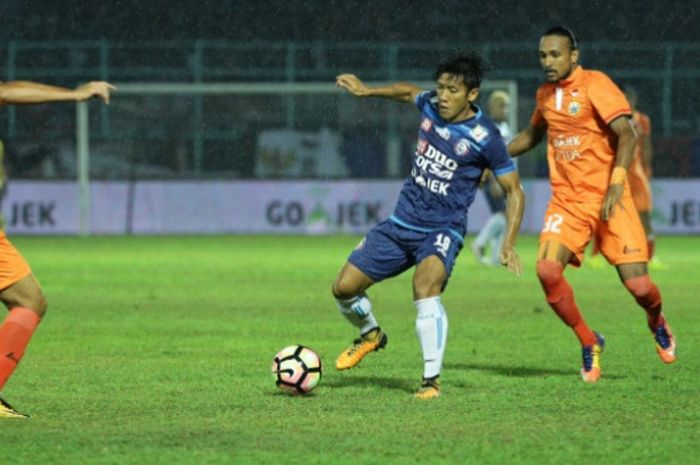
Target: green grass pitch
column 157, row 350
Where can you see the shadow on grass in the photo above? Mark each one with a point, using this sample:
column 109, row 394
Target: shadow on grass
column 518, row 371
column 386, row 382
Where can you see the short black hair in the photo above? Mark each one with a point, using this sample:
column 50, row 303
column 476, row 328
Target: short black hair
column 469, row 64
column 563, row 31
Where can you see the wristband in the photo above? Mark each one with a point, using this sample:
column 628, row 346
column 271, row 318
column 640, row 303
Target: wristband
column 618, row 176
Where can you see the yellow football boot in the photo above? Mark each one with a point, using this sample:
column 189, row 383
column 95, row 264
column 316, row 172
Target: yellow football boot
column 590, row 371
column 429, row 389
column 371, row 341
column 6, row 411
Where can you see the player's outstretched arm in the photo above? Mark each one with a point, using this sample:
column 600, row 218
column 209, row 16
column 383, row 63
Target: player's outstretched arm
column 399, row 91
column 515, row 206
column 626, row 140
column 27, row 92
column 526, row 140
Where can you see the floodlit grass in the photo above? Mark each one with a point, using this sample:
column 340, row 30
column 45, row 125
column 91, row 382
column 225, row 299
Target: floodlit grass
column 157, row 350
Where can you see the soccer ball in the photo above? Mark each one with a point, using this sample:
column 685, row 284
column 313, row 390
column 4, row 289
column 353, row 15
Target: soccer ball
column 296, row 369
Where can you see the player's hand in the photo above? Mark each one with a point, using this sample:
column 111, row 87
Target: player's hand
column 99, row 89
column 352, row 84
column 509, row 258
column 613, row 198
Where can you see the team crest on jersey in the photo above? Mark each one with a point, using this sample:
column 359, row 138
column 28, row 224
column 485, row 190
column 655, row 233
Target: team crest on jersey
column 426, row 124
column 443, row 132
column 479, row 133
column 574, row 107
column 462, row 147
column 422, row 146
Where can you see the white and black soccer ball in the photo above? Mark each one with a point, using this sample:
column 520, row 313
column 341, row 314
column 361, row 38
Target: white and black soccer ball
column 297, row 369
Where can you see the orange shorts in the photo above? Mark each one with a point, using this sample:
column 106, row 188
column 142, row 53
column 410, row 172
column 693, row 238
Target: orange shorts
column 13, row 266
column 641, row 193
column 622, row 239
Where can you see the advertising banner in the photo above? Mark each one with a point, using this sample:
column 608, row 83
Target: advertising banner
column 273, row 207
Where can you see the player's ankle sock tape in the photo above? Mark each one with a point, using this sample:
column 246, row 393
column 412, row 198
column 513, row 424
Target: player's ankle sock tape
column 358, row 311
column 431, row 328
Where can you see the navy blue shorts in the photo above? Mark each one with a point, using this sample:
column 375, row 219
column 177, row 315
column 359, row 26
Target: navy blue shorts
column 390, row 249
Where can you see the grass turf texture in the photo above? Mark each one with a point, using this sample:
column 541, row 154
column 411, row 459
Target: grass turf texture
column 158, row 350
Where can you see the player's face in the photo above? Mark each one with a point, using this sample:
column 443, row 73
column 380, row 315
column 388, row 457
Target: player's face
column 498, row 110
column 454, row 97
column 556, row 58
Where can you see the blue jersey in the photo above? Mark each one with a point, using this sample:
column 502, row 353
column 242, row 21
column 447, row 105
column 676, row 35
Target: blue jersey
column 449, row 161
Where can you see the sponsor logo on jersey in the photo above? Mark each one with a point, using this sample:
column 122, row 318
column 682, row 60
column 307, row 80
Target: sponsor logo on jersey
column 436, row 164
column 564, row 141
column 628, row 250
column 439, row 158
column 426, row 124
column 443, row 132
column 574, row 107
column 566, row 148
column 479, row 133
column 462, row 147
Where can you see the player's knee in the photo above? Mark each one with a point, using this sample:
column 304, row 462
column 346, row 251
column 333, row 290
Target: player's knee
column 343, row 288
column 549, row 273
column 41, row 305
column 426, row 287
column 34, row 301
column 640, row 287
column 37, row 303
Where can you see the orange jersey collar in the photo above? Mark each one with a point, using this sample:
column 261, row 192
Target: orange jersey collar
column 574, row 76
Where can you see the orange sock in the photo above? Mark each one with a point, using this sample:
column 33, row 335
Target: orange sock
column 560, row 297
column 648, row 297
column 15, row 333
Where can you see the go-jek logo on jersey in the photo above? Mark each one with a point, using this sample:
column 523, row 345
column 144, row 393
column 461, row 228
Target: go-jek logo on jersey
column 430, row 161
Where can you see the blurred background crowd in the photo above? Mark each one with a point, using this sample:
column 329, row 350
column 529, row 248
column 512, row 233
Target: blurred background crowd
column 651, row 46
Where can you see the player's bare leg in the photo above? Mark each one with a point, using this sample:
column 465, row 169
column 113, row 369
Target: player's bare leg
column 349, row 291
column 552, row 258
column 26, row 304
column 636, row 279
column 654, row 262
column 595, row 260
column 431, row 322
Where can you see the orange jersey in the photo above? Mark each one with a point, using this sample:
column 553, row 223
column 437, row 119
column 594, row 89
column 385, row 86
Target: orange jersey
column 642, row 125
column 638, row 173
column 13, row 266
column 581, row 147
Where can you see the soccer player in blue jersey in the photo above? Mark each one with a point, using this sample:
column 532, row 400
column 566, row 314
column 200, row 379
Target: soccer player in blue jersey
column 456, row 142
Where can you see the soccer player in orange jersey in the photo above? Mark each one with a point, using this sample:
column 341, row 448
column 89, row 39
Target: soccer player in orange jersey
column 19, row 289
column 639, row 174
column 640, row 169
column 590, row 145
